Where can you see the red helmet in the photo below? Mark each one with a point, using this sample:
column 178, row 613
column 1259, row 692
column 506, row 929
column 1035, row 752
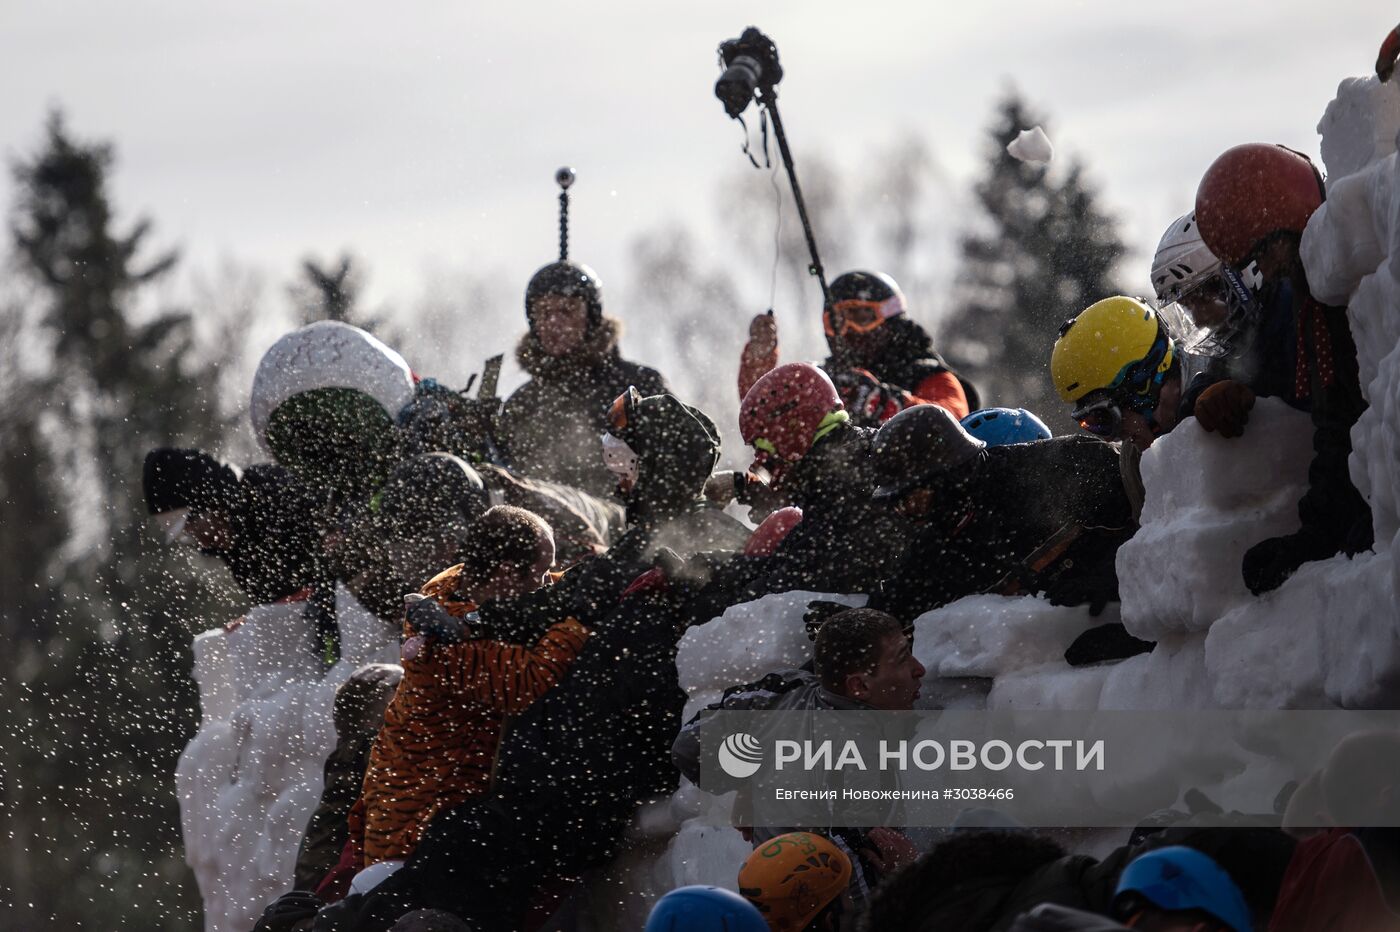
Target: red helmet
column 781, row 414
column 1251, row 191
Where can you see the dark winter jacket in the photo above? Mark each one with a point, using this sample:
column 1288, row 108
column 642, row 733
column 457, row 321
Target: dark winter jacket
column 549, row 428
column 276, row 541
column 846, row 539
column 359, row 714
column 1326, row 382
column 907, row 363
column 982, row 881
column 785, row 690
column 984, row 522
column 677, row 447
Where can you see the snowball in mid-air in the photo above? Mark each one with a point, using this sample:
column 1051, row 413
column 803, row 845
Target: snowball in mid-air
column 1032, row 146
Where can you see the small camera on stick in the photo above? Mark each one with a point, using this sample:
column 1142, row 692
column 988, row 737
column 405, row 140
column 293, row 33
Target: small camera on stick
column 750, row 65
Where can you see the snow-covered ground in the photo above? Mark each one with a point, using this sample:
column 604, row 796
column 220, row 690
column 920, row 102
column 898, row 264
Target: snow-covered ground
column 1326, row 638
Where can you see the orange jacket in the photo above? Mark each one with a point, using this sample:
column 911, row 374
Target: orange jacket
column 441, row 732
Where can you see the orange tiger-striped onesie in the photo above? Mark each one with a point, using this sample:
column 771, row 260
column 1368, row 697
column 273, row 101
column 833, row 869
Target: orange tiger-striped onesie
column 441, row 731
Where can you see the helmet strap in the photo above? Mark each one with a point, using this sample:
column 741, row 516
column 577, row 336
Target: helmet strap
column 829, row 423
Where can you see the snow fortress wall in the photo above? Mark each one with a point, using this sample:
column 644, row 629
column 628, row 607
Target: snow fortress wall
column 1330, row 636
column 251, row 776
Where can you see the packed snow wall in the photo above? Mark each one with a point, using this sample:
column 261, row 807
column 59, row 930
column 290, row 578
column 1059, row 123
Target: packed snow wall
column 251, row 776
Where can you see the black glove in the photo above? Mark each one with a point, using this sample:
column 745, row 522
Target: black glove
column 1105, row 642
column 287, row 910
column 1270, row 562
column 339, row 917
column 428, row 618
column 1095, row 590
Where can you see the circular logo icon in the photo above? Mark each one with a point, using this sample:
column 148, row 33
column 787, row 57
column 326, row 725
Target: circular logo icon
column 740, row 755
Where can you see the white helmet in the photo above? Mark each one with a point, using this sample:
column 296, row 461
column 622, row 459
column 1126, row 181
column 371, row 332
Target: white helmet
column 1183, row 260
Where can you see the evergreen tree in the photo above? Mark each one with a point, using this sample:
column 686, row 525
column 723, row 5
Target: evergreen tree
column 96, row 700
column 1044, row 251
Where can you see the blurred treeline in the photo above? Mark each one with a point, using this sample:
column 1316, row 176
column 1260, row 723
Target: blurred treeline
column 103, row 356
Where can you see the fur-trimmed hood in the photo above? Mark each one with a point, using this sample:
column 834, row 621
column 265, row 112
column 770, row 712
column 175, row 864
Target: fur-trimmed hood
column 599, row 345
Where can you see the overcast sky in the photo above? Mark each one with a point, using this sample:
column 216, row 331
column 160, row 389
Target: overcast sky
column 416, row 132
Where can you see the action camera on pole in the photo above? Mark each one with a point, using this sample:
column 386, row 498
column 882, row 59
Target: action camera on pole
column 750, row 64
column 751, row 69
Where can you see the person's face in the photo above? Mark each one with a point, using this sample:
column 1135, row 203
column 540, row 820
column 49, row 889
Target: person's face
column 1136, row 428
column 209, row 530
column 893, row 684
column 511, row 582
column 866, row 347
column 560, row 323
column 1206, row 304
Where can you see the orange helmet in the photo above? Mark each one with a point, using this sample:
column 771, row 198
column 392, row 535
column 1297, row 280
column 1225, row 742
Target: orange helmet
column 1251, row 191
column 793, row 877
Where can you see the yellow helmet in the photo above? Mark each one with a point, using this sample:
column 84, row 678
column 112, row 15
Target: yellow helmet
column 1113, row 341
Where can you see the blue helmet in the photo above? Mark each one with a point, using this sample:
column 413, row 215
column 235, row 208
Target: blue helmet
column 704, row 909
column 1177, row 879
column 999, row 426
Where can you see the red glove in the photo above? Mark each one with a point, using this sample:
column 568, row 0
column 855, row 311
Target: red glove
column 760, row 353
column 1223, row 408
column 888, row 850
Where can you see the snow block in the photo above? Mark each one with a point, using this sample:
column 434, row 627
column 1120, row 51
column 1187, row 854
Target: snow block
column 749, row 641
column 1208, row 501
column 1053, row 685
column 1172, row 676
column 1348, row 237
column 988, row 635
column 1359, row 126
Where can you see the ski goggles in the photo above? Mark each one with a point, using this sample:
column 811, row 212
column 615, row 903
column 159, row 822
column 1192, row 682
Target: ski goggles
column 859, row 316
column 620, row 413
column 1101, row 413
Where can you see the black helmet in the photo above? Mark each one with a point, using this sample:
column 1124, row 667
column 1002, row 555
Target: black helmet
column 176, row 478
column 570, row 279
column 866, row 286
column 677, row 447
column 919, row 442
column 432, row 490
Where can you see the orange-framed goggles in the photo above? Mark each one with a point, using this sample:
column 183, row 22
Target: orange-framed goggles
column 622, row 408
column 857, row 316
